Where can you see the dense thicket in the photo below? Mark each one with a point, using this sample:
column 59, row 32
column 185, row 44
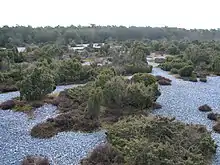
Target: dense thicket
column 21, row 35
column 142, row 140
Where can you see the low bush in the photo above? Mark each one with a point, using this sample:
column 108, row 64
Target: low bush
column 155, row 140
column 104, row 155
column 37, row 84
column 169, row 58
column 35, row 160
column 193, row 78
column 138, row 68
column 167, row 66
column 186, row 71
column 205, row 108
column 145, row 78
column 163, row 80
column 138, row 95
column 114, row 92
column 159, row 60
column 94, row 102
column 178, row 65
column 216, row 65
column 216, row 127
column 104, row 76
column 174, row 71
column 203, row 79
column 23, row 108
column 141, row 93
column 156, row 106
column 69, row 121
column 213, row 116
column 74, row 98
column 43, row 130
column 7, row 105
column 4, row 88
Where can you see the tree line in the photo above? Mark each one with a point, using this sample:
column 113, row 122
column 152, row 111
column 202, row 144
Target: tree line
column 22, row 36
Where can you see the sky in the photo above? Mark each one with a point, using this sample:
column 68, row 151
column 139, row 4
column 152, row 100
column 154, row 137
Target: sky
column 189, row 14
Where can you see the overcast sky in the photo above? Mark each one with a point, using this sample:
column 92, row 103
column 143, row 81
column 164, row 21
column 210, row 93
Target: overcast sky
column 175, row 13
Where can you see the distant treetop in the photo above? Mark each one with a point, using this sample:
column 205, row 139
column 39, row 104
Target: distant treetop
column 21, row 35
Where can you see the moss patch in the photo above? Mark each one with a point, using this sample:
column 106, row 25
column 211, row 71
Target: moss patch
column 43, row 130
column 25, row 108
column 70, row 121
column 104, row 154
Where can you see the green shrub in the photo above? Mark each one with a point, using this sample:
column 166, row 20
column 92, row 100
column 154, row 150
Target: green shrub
column 216, row 65
column 79, row 94
column 2, row 78
column 203, row 79
column 104, row 154
column 189, row 62
column 178, row 65
column 104, row 76
column 114, row 92
column 177, row 60
column 138, row 95
column 193, row 78
column 169, row 58
column 95, row 98
column 155, row 140
column 37, row 84
column 138, row 68
column 145, row 78
column 167, row 66
column 173, row 50
column 186, row 71
column 87, row 73
column 69, row 71
column 154, row 91
column 24, row 108
column 174, row 71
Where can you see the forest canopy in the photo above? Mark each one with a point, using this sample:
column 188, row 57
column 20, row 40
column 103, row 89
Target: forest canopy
column 21, row 35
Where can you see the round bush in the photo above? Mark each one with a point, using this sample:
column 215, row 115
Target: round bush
column 36, row 85
column 145, row 78
column 174, row 71
column 167, row 66
column 169, row 58
column 186, row 71
column 114, row 92
column 103, row 77
column 104, row 154
column 35, row 160
column 137, row 95
column 203, row 79
column 193, row 78
column 138, row 68
column 156, row 140
column 205, row 108
column 43, row 130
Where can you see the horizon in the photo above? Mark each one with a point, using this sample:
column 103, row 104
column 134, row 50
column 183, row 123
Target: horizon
column 140, row 13
column 89, row 25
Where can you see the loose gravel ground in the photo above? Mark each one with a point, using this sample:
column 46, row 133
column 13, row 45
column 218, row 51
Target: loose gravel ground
column 182, row 99
column 67, row 148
